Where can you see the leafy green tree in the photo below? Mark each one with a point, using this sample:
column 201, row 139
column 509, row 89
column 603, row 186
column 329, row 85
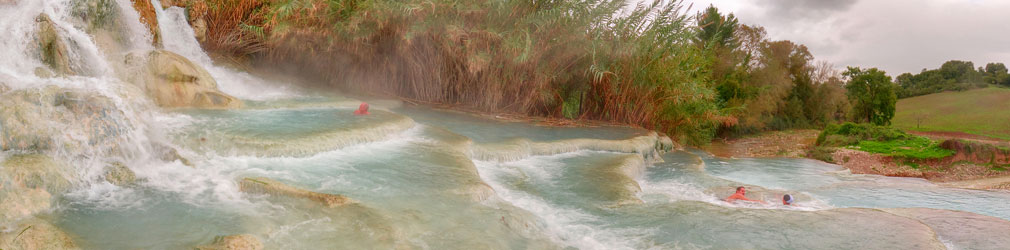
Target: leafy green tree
column 715, row 29
column 951, row 76
column 995, row 68
column 996, row 73
column 715, row 36
column 872, row 95
column 960, row 72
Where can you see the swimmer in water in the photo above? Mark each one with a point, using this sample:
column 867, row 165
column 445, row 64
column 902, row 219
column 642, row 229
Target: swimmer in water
column 787, row 200
column 740, row 195
column 362, row 109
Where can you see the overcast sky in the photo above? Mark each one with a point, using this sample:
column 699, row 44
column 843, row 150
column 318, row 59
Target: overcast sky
column 894, row 35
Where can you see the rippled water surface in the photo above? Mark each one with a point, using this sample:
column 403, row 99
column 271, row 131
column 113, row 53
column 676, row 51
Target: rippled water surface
column 420, row 178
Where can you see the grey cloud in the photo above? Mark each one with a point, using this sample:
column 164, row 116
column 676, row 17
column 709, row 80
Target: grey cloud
column 791, row 9
column 894, row 35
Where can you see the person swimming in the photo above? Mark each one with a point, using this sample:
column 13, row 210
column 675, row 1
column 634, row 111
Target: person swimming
column 787, row 200
column 741, row 195
column 362, row 109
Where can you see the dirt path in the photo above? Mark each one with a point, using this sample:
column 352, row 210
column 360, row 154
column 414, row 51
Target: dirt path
column 789, row 143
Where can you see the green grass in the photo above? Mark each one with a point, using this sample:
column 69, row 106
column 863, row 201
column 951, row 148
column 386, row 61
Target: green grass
column 979, row 111
column 883, row 140
column 915, row 148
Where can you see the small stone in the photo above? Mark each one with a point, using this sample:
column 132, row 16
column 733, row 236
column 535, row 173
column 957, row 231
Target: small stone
column 234, row 242
column 119, row 174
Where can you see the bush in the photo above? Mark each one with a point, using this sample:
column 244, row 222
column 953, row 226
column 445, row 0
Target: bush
column 852, row 133
column 881, row 140
column 822, row 153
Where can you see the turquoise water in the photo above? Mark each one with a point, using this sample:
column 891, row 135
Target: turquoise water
column 488, row 131
column 840, row 189
column 416, row 186
column 419, row 178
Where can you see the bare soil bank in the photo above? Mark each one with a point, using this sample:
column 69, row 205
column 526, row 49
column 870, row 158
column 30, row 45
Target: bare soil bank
column 789, row 143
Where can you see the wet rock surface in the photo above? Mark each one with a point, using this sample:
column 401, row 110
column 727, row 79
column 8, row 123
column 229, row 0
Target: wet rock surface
column 28, row 184
column 52, row 50
column 35, row 234
column 120, row 175
column 234, row 242
column 39, row 120
column 176, row 82
column 264, row 185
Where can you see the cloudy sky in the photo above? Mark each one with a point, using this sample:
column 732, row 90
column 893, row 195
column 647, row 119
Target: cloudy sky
column 894, row 35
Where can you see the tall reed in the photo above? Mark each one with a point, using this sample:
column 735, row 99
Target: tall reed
column 590, row 59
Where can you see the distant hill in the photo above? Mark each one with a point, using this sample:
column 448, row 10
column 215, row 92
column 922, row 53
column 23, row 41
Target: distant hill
column 984, row 112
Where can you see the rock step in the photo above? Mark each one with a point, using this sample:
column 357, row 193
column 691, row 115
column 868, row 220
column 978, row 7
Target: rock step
column 263, row 185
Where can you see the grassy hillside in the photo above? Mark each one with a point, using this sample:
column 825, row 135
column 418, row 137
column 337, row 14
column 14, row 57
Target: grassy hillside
column 983, row 112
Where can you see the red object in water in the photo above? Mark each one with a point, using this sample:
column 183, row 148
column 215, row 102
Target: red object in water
column 362, row 110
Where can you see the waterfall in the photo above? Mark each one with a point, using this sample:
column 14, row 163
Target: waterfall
column 179, row 37
column 88, row 152
column 101, row 114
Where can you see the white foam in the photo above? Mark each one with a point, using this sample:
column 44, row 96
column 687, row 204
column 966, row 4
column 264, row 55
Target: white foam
column 567, row 226
column 105, row 196
column 139, row 36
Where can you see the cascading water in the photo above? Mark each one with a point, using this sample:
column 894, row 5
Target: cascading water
column 407, row 177
column 178, row 37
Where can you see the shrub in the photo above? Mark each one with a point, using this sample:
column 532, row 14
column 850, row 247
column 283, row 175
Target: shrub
column 822, row 153
column 851, row 133
column 884, row 140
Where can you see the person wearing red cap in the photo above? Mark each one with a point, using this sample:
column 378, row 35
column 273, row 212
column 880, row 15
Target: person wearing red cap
column 362, row 109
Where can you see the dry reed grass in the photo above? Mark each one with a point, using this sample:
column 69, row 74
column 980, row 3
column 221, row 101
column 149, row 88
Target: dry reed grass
column 542, row 58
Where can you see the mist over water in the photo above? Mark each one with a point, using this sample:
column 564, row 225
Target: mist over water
column 422, row 178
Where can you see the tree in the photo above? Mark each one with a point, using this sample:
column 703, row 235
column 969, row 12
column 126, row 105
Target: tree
column 716, row 37
column 872, row 95
column 960, row 72
column 995, row 68
column 717, row 30
column 996, row 73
